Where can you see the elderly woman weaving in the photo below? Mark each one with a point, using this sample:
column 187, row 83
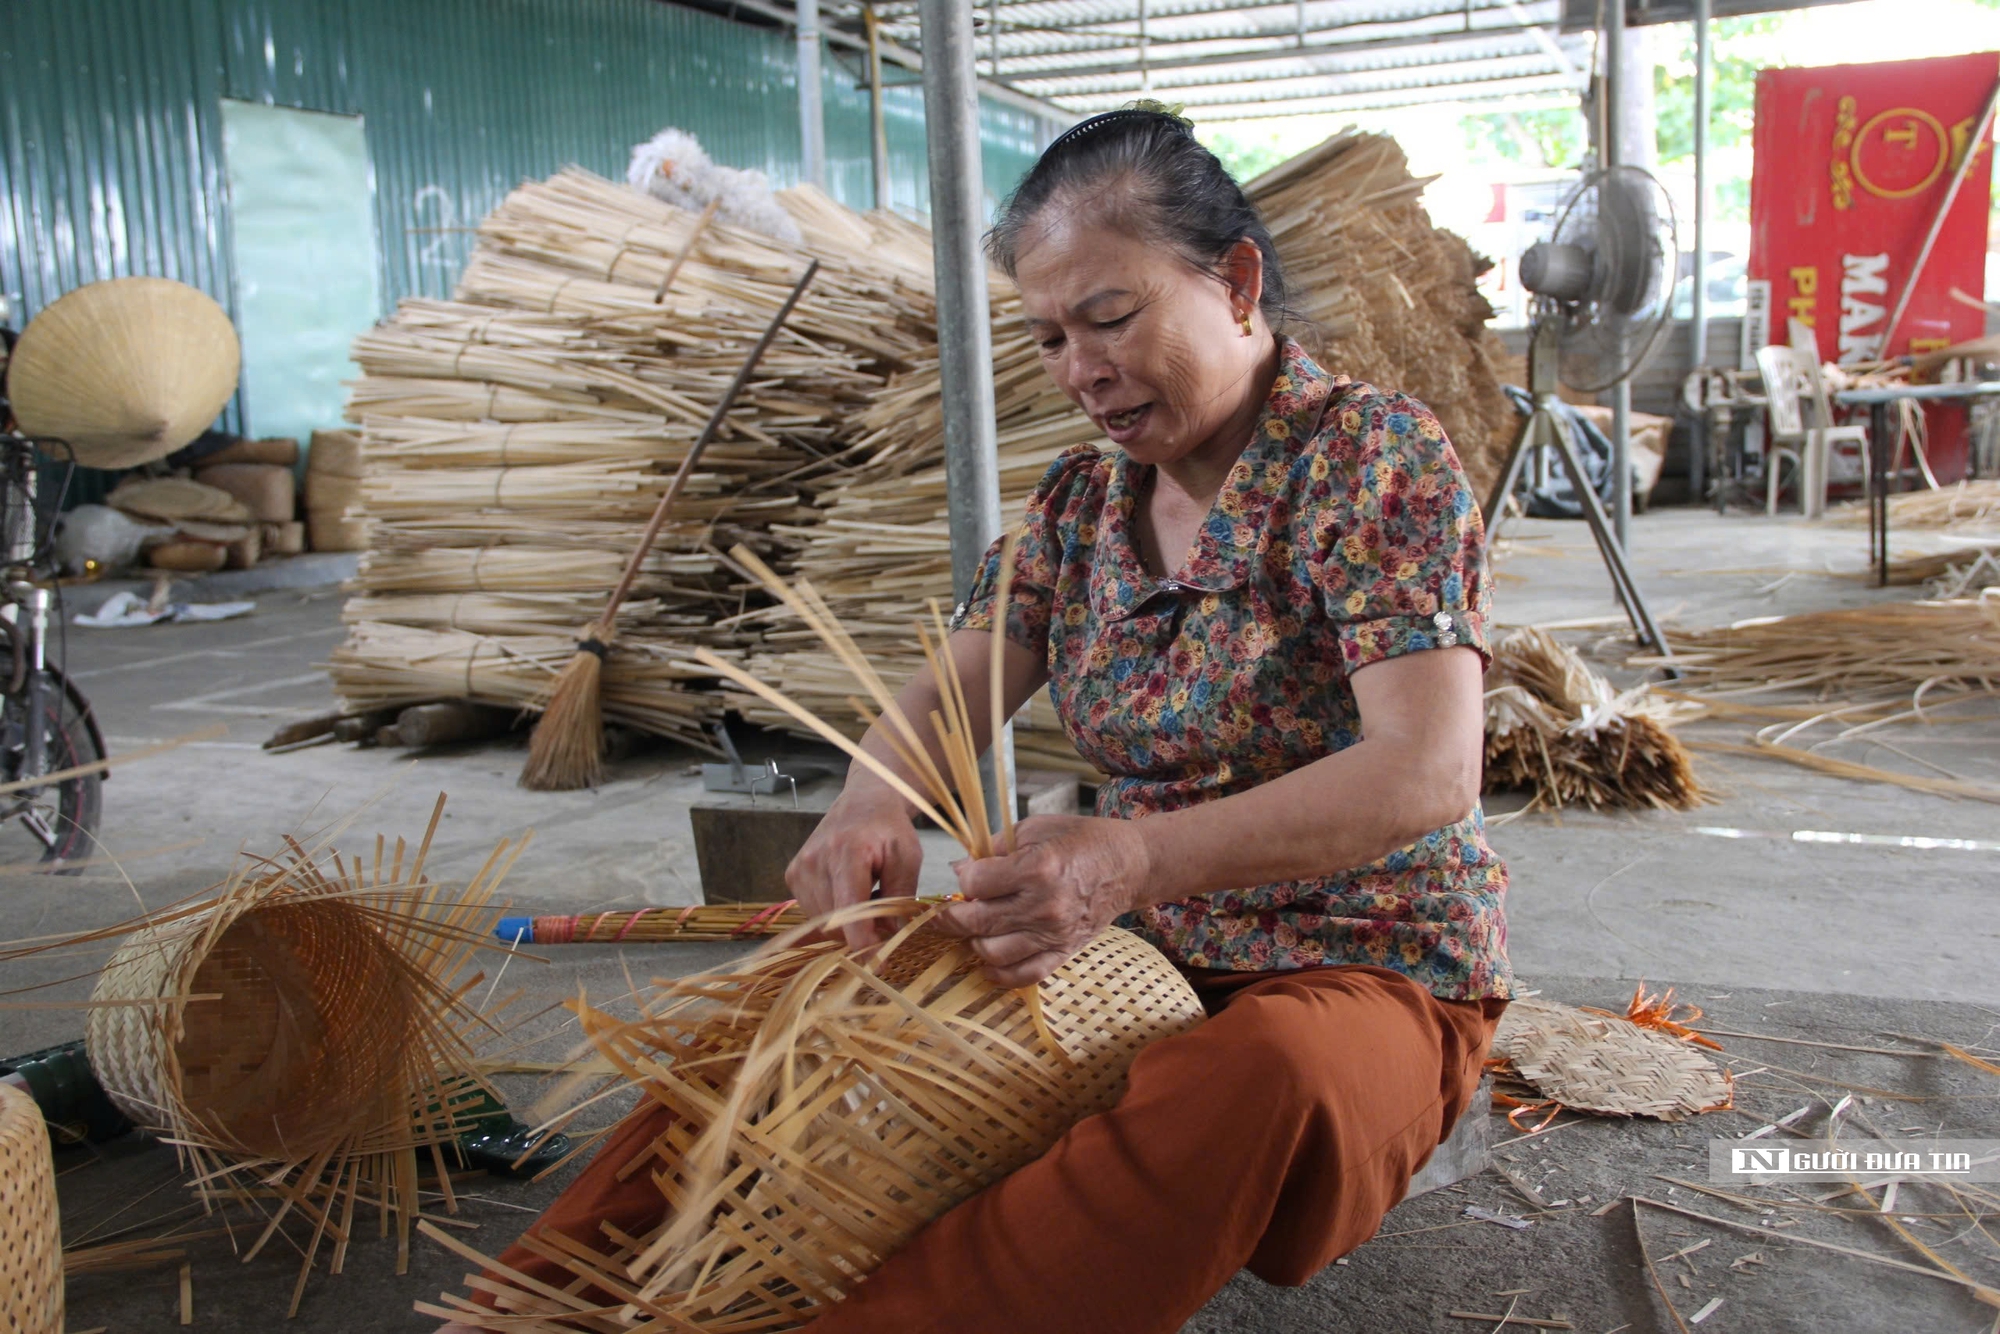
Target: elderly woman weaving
column 1264, row 616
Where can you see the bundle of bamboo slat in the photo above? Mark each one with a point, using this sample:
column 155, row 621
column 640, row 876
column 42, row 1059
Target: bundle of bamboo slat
column 1557, row 729
column 516, row 437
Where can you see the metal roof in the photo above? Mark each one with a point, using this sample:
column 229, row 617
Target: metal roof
column 1239, row 59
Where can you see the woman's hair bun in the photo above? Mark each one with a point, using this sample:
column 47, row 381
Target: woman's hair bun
column 1143, row 164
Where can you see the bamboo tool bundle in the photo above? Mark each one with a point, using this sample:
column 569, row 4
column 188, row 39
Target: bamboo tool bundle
column 1558, row 729
column 303, row 1035
column 1388, row 298
column 567, row 749
column 1921, row 652
column 31, row 1260
column 701, row 921
column 827, row 1105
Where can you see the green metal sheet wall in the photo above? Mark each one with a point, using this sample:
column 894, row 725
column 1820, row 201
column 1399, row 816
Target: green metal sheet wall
column 112, row 153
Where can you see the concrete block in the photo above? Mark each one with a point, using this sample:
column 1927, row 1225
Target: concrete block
column 1466, row 1152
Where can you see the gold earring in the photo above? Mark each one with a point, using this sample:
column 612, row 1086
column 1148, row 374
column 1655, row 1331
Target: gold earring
column 1247, row 331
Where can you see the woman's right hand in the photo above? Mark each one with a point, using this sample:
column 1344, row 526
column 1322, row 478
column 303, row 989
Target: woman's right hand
column 866, row 839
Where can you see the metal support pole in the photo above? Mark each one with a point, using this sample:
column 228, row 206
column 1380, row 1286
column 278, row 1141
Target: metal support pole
column 965, row 326
column 1698, row 452
column 1614, row 155
column 812, row 112
column 878, row 129
column 1145, row 69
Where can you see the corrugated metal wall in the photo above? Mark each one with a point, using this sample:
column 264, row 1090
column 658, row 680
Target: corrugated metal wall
column 111, row 163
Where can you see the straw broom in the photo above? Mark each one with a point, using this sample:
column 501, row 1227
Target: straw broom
column 567, row 748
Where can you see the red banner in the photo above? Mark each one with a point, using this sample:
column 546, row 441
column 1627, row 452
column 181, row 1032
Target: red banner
column 1852, row 163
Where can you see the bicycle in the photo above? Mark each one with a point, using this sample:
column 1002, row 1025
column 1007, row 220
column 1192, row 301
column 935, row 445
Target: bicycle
column 46, row 723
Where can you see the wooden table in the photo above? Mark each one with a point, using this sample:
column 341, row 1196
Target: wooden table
column 1877, row 402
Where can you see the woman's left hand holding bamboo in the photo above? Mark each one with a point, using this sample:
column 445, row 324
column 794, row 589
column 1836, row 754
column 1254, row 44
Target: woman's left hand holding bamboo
column 1027, row 912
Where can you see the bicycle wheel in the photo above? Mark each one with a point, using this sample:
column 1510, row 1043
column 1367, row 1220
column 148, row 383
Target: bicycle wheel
column 60, row 819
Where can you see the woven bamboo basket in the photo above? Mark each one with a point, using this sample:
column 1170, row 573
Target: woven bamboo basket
column 31, row 1268
column 826, row 1107
column 304, row 1034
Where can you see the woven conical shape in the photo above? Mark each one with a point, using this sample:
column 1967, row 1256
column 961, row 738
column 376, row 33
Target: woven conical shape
column 126, row 371
column 31, row 1276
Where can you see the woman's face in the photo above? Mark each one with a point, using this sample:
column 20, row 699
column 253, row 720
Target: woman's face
column 1149, row 346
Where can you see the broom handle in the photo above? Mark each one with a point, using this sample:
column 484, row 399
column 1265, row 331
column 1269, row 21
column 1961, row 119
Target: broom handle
column 660, row 511
column 673, row 269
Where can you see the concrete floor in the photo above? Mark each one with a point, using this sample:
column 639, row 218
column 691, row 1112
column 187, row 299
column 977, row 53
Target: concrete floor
column 1864, row 937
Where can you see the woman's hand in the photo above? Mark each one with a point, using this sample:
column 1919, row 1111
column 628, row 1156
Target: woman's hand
column 866, row 839
column 1068, row 876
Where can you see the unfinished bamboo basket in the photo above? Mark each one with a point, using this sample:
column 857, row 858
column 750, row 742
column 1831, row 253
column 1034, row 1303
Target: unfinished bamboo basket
column 826, row 1105
column 825, row 1108
column 31, row 1262
column 303, row 1035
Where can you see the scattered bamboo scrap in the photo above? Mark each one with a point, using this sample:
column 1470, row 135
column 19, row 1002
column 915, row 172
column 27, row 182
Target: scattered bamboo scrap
column 302, row 1035
column 1960, row 507
column 826, row 1105
column 1869, row 668
column 1558, row 729
column 1908, row 649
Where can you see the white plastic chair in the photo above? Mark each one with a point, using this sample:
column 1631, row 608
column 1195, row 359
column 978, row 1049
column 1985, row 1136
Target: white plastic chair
column 1791, row 379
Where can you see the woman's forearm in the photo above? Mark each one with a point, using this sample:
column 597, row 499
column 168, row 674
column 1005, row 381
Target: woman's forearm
column 1337, row 813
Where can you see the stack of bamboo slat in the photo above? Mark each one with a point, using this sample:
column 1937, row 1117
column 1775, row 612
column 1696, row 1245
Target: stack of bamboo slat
column 516, row 439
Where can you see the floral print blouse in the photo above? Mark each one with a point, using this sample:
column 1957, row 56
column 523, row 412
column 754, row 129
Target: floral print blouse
column 1346, row 533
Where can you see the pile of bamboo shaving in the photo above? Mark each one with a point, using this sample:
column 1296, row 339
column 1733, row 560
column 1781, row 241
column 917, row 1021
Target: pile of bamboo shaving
column 826, row 1105
column 1915, row 651
column 302, row 1035
column 1964, row 505
column 1558, row 729
column 1863, row 670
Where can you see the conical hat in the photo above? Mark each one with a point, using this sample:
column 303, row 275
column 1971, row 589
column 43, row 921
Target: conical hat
column 126, row 371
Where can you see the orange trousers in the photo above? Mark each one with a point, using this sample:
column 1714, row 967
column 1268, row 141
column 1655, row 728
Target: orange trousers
column 1273, row 1137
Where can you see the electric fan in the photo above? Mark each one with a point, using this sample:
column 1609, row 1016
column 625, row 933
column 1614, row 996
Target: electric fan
column 1603, row 285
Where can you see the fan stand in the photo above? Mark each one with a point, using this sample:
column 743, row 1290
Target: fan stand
column 1546, row 429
